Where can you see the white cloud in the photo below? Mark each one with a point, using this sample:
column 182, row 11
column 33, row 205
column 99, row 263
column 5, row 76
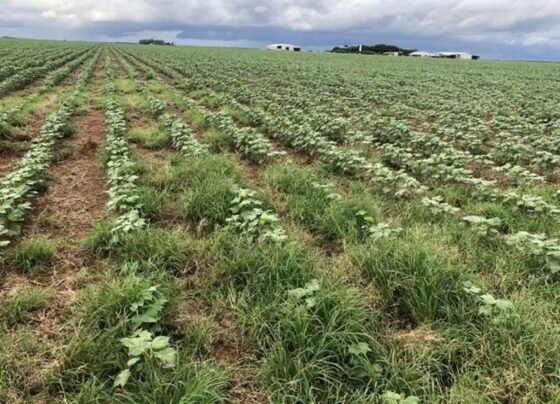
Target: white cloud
column 536, row 40
column 48, row 14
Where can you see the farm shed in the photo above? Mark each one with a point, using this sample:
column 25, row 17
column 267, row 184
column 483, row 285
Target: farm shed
column 420, row 54
column 458, row 55
column 284, row 47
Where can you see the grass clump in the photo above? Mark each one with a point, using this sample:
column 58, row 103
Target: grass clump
column 320, row 345
column 24, row 369
column 149, row 249
column 6, row 130
column 197, row 119
column 416, row 277
column 209, row 181
column 151, row 138
column 32, row 255
column 265, row 268
column 315, row 202
column 24, row 301
column 99, row 241
column 218, row 141
column 348, row 220
column 153, row 201
column 102, row 318
column 237, row 114
column 314, row 335
column 102, row 315
column 157, row 173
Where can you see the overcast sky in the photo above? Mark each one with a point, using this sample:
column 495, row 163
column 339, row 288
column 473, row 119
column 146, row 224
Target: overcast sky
column 518, row 29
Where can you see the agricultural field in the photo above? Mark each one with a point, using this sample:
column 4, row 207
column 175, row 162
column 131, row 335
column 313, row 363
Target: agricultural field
column 190, row 225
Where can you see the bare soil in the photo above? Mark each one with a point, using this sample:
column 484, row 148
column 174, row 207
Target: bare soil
column 8, row 159
column 76, row 198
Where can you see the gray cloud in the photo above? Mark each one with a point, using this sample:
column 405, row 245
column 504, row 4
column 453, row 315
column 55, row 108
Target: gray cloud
column 510, row 28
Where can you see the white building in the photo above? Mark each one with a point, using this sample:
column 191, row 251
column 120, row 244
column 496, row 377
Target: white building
column 420, row 54
column 284, row 47
column 445, row 55
column 457, row 55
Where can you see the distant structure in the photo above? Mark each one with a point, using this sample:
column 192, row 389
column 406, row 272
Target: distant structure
column 458, row 55
column 420, row 54
column 378, row 49
column 392, row 50
column 152, row 41
column 445, row 55
column 284, row 47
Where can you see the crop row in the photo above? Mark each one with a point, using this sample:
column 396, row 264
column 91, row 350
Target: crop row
column 445, row 166
column 248, row 216
column 28, row 176
column 121, row 169
column 538, row 245
column 7, row 118
column 247, row 141
column 302, row 137
column 295, row 99
column 24, row 55
column 20, row 79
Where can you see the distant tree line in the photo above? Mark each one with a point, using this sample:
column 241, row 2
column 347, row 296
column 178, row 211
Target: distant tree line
column 154, row 42
column 372, row 49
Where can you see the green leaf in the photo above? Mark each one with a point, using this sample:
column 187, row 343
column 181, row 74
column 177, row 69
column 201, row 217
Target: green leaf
column 167, row 356
column 160, row 343
column 310, row 302
column 138, row 344
column 503, row 304
column 132, row 361
column 485, row 310
column 391, row 397
column 488, row 299
column 309, row 289
column 122, row 378
column 470, row 288
column 361, row 348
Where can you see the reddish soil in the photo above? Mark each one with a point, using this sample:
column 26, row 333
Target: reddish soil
column 76, row 198
column 552, row 177
column 8, row 159
column 484, row 172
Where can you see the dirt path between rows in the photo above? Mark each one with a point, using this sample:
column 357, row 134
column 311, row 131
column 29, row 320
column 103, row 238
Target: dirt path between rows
column 76, row 198
column 73, row 204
